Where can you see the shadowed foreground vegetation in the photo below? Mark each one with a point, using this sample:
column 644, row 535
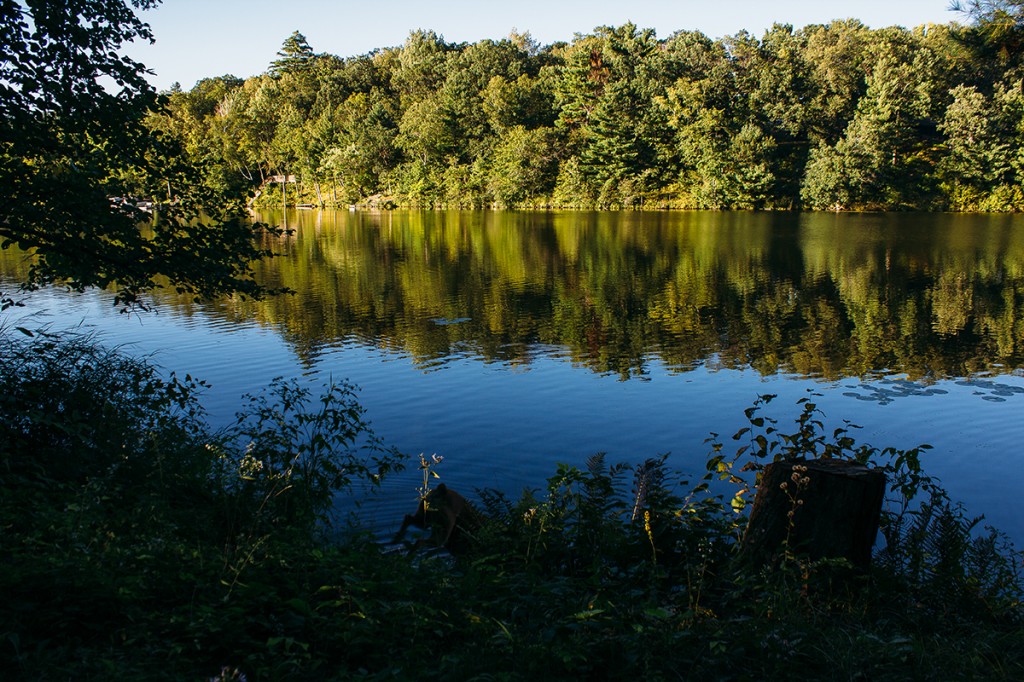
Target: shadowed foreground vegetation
column 138, row 544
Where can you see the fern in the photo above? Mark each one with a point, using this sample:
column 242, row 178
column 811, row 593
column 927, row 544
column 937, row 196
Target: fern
column 648, row 484
column 949, row 565
column 495, row 505
column 595, row 464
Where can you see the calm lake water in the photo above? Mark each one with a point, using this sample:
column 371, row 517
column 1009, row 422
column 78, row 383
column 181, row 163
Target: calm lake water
column 509, row 341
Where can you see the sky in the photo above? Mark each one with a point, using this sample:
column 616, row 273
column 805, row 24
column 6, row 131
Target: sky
column 197, row 39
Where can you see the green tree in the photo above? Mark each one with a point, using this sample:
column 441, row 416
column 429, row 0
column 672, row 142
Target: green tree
column 1000, row 24
column 614, row 149
column 832, row 177
column 882, row 159
column 834, row 115
column 607, row 92
column 197, row 120
column 579, row 81
column 524, row 166
column 776, row 85
column 980, row 170
column 366, row 147
column 573, row 189
column 421, row 66
column 295, row 56
column 750, row 171
column 834, row 56
column 72, row 136
column 524, row 101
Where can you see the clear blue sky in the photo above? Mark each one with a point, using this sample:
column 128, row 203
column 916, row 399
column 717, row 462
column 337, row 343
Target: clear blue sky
column 201, row 38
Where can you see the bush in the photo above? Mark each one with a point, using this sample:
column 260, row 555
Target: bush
column 138, row 544
column 120, row 506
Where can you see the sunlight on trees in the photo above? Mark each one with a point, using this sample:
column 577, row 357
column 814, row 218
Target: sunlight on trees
column 832, row 117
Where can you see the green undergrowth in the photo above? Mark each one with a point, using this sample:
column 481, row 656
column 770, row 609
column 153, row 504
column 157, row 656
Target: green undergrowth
column 138, row 544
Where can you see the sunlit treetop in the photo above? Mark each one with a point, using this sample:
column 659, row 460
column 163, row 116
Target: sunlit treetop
column 294, row 56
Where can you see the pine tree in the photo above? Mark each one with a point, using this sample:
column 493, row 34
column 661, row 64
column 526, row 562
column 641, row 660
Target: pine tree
column 295, row 56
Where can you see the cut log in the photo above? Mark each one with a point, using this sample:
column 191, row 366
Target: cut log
column 822, row 508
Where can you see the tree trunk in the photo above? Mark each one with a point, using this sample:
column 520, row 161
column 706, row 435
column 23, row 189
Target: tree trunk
column 823, row 508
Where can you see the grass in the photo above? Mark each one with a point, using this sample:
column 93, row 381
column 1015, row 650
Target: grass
column 140, row 545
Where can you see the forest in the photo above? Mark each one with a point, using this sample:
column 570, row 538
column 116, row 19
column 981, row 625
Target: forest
column 825, row 117
column 142, row 543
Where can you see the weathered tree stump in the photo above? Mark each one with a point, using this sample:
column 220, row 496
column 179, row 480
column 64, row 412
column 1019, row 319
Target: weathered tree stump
column 823, row 508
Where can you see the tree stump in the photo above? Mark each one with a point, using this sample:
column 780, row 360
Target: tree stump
column 823, row 508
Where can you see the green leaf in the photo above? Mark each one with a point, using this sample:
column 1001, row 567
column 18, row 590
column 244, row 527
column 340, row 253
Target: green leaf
column 300, row 605
column 588, row 614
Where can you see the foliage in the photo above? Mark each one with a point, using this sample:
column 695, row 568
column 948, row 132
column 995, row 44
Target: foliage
column 833, row 116
column 935, row 553
column 72, row 408
column 292, row 453
column 138, row 544
column 75, row 155
column 170, row 552
column 999, row 23
column 118, row 500
column 294, row 56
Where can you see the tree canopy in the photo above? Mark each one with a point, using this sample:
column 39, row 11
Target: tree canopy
column 829, row 116
column 75, row 152
column 1000, row 23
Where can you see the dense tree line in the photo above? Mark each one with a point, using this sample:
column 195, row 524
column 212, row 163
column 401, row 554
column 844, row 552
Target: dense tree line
column 835, row 116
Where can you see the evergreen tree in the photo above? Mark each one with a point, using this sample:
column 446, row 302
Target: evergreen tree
column 1000, row 24
column 613, row 148
column 295, row 56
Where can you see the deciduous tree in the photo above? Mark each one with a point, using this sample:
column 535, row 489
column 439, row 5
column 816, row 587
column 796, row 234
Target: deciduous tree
column 72, row 139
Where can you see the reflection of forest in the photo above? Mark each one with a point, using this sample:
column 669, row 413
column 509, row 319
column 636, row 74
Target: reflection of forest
column 816, row 294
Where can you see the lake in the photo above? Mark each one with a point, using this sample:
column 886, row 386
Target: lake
column 509, row 341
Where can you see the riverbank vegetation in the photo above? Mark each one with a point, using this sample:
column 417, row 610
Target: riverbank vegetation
column 835, row 116
column 139, row 544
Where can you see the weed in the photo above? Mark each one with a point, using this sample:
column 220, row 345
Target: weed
column 140, row 545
